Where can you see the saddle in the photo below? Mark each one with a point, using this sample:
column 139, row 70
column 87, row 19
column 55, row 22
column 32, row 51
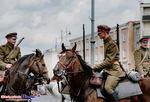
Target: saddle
column 96, row 79
column 3, row 75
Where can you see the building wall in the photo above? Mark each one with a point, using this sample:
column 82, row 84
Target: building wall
column 131, row 41
column 145, row 20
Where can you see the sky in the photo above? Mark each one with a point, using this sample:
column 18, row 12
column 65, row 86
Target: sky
column 40, row 21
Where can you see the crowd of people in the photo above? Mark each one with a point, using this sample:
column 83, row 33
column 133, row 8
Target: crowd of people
column 39, row 90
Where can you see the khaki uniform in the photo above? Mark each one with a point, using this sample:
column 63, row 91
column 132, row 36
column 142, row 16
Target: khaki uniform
column 138, row 57
column 111, row 54
column 4, row 51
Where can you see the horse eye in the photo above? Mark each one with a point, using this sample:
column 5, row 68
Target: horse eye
column 68, row 57
column 43, row 64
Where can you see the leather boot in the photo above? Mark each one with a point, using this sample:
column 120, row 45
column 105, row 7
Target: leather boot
column 114, row 97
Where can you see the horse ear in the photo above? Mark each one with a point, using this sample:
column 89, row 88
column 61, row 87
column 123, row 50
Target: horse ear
column 74, row 48
column 38, row 53
column 63, row 47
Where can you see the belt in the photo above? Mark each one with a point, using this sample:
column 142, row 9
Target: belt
column 146, row 62
column 115, row 62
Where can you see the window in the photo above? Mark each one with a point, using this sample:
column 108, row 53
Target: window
column 79, row 47
column 87, row 45
column 124, row 52
column 87, row 58
column 137, row 45
column 96, row 43
column 101, row 56
column 124, row 36
column 137, row 31
column 112, row 37
column 101, row 42
column 96, row 57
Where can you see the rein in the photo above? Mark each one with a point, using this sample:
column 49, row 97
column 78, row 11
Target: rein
column 67, row 73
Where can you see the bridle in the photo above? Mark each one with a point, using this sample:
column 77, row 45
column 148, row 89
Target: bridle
column 66, row 75
column 39, row 78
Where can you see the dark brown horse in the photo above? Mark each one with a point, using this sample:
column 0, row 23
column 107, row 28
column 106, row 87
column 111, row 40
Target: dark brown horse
column 77, row 74
column 19, row 81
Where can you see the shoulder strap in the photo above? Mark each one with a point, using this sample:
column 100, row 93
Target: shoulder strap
column 143, row 58
column 13, row 49
column 108, row 42
column 11, row 52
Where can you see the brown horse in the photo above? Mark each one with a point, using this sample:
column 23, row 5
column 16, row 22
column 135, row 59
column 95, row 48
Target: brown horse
column 19, row 81
column 72, row 68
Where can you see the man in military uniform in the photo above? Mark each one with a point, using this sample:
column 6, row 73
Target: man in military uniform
column 142, row 57
column 129, row 68
column 5, row 60
column 110, row 64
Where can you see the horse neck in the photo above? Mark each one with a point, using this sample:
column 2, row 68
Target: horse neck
column 81, row 82
column 22, row 67
column 19, row 74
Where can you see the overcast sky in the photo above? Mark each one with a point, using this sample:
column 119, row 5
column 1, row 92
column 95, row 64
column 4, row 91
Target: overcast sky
column 41, row 21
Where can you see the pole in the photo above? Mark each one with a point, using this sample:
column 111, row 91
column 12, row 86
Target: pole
column 117, row 28
column 66, row 36
column 83, row 42
column 56, row 44
column 92, row 33
column 61, row 37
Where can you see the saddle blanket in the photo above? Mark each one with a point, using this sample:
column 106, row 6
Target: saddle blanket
column 124, row 90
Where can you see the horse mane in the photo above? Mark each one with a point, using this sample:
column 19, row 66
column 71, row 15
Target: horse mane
column 18, row 63
column 84, row 65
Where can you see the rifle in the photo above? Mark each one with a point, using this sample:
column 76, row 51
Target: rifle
column 145, row 75
column 13, row 49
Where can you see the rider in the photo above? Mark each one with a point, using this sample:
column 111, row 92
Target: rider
column 142, row 57
column 110, row 63
column 6, row 62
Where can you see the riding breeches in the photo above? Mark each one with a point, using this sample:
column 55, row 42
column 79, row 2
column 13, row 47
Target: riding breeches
column 111, row 83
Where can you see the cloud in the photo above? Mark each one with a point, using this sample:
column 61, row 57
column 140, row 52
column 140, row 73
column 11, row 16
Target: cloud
column 41, row 21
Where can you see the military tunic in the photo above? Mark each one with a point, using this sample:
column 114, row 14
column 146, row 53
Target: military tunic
column 4, row 51
column 139, row 54
column 111, row 54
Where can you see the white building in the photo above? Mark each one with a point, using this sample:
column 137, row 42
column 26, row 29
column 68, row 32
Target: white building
column 51, row 57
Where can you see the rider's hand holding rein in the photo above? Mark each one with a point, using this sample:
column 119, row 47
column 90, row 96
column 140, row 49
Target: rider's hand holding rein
column 142, row 75
column 8, row 66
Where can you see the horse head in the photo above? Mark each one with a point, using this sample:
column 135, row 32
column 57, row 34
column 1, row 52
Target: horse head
column 66, row 62
column 38, row 67
column 72, row 69
column 70, row 63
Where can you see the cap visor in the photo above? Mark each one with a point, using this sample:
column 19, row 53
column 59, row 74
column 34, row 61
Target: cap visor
column 99, row 32
column 144, row 41
column 13, row 37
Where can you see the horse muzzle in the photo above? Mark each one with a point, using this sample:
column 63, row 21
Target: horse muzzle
column 57, row 72
column 47, row 79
